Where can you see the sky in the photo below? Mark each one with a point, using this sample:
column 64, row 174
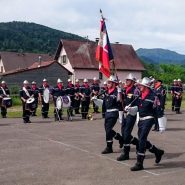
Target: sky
column 140, row 23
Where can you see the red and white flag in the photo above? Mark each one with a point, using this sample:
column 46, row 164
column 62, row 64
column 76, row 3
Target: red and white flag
column 103, row 51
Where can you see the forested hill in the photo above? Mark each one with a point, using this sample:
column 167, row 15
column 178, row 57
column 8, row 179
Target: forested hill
column 160, row 56
column 31, row 37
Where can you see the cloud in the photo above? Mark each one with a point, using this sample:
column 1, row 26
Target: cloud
column 142, row 23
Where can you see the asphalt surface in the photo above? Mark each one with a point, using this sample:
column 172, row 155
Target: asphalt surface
column 45, row 152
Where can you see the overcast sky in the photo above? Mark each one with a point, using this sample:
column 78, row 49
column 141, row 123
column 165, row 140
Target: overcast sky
column 141, row 23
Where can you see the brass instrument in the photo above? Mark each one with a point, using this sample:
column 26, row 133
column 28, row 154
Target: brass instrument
column 77, row 97
column 90, row 117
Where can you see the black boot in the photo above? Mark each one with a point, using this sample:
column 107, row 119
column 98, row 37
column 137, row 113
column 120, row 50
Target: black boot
column 139, row 164
column 158, row 153
column 135, row 142
column 108, row 149
column 124, row 154
column 120, row 138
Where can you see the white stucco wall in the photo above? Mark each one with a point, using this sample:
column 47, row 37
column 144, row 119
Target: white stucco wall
column 2, row 70
column 67, row 65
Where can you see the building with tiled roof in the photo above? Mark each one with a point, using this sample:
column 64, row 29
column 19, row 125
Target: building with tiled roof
column 14, row 61
column 51, row 70
column 79, row 58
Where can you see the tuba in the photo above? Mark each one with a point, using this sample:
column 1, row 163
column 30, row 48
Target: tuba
column 90, row 117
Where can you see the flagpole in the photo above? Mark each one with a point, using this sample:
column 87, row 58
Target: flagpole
column 113, row 66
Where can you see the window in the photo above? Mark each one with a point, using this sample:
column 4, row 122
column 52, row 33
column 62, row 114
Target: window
column 64, row 59
column 100, row 76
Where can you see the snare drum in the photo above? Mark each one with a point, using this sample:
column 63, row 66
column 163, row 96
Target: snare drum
column 66, row 101
column 59, row 103
column 46, row 95
column 7, row 102
column 31, row 104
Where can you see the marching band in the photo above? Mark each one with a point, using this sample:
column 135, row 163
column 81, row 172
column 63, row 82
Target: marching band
column 137, row 102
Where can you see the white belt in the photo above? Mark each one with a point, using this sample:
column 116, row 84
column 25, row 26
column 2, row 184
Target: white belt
column 111, row 110
column 145, row 118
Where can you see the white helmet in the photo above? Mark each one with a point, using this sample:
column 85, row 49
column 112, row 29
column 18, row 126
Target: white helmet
column 105, row 83
column 44, row 80
column 179, row 80
column 25, row 82
column 3, row 82
column 94, row 78
column 145, row 82
column 69, row 80
column 59, row 80
column 85, row 80
column 174, row 80
column 76, row 80
column 33, row 82
column 130, row 76
column 112, row 78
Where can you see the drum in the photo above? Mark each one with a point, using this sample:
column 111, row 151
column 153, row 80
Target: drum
column 59, row 103
column 7, row 102
column 66, row 101
column 162, row 123
column 46, row 95
column 31, row 104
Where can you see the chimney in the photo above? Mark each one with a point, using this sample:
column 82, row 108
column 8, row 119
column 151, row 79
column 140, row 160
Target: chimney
column 97, row 40
column 40, row 58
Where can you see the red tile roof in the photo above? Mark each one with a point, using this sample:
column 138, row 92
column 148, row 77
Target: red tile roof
column 13, row 60
column 82, row 55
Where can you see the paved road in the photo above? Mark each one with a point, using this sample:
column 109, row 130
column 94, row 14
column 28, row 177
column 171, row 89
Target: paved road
column 69, row 153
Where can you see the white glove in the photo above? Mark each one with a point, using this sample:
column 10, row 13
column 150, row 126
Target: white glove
column 94, row 98
column 127, row 108
column 119, row 89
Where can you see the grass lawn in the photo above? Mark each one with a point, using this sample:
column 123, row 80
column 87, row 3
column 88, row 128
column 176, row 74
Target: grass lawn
column 16, row 111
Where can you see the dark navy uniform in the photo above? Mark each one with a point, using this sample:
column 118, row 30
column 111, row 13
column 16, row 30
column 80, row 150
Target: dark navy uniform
column 160, row 92
column 25, row 95
column 58, row 91
column 95, row 88
column 85, row 92
column 70, row 91
column 128, row 123
column 178, row 91
column 77, row 98
column 111, row 115
column 36, row 96
column 103, row 90
column 45, row 105
column 173, row 87
column 4, row 92
column 147, row 104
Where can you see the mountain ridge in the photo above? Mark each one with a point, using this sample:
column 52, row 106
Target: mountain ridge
column 159, row 55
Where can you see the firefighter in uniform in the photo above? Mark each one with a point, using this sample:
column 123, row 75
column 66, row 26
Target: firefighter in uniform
column 111, row 99
column 178, row 96
column 95, row 88
column 4, row 92
column 45, row 105
column 129, row 122
column 147, row 104
column 85, row 93
column 70, row 91
column 35, row 90
column 25, row 94
column 161, row 94
column 58, row 91
column 173, row 87
column 104, row 89
column 77, row 97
